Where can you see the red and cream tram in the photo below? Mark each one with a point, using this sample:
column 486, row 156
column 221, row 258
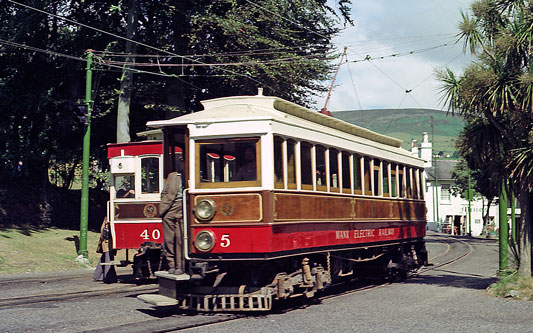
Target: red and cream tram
column 136, row 183
column 282, row 201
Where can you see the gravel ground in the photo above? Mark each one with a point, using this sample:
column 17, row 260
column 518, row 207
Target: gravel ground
column 446, row 299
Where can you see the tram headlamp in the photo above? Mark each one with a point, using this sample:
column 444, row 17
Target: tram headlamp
column 204, row 210
column 204, row 241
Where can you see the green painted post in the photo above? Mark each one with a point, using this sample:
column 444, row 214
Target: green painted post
column 504, row 234
column 513, row 219
column 85, row 170
column 437, row 193
column 469, row 205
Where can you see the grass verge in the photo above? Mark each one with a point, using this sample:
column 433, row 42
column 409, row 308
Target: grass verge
column 513, row 286
column 30, row 250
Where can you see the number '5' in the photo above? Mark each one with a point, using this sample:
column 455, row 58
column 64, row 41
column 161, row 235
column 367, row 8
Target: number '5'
column 224, row 240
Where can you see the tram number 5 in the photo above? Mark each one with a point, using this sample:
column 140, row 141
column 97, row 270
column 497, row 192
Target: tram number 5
column 156, row 234
column 224, row 240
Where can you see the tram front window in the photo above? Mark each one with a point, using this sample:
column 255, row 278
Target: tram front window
column 125, row 186
column 228, row 161
column 150, row 175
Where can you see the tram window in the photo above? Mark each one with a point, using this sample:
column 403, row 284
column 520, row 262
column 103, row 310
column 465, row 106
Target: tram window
column 385, row 172
column 346, row 186
column 377, row 177
column 422, row 183
column 306, row 165
column 357, row 174
column 278, row 162
column 228, row 161
column 291, row 164
column 150, row 175
column 124, row 186
column 408, row 183
column 366, row 173
column 321, row 168
column 415, row 183
column 334, row 170
column 401, row 182
column 393, row 182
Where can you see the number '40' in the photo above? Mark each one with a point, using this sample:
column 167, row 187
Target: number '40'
column 156, row 234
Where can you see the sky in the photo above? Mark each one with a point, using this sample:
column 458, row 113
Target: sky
column 386, row 27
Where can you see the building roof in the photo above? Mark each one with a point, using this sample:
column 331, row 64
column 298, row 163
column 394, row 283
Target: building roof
column 444, row 170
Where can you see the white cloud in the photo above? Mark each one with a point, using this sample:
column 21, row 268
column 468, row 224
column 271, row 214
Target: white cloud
column 390, row 27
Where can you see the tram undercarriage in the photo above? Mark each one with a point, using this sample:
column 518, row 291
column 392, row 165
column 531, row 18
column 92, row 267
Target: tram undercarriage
column 254, row 285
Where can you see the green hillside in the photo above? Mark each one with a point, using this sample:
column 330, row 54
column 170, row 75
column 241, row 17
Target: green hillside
column 409, row 124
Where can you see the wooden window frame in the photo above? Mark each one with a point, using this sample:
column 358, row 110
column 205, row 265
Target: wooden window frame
column 322, row 188
column 330, row 175
column 248, row 183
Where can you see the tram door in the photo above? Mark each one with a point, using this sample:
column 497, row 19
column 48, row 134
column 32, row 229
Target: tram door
column 175, row 152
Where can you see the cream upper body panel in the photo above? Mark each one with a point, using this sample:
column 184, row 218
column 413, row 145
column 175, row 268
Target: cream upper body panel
column 259, row 115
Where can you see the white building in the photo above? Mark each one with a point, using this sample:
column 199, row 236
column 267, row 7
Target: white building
column 445, row 211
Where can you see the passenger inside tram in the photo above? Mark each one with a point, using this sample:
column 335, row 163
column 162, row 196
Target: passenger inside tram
column 247, row 170
column 125, row 185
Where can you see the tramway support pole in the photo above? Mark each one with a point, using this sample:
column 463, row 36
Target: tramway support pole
column 84, row 211
column 504, row 232
column 469, row 205
column 513, row 219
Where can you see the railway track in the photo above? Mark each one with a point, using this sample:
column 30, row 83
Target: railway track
column 63, row 296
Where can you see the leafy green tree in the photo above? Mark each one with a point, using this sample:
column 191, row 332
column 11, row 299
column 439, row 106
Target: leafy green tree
column 226, row 47
column 494, row 95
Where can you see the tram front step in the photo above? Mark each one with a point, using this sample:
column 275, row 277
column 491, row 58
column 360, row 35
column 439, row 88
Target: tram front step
column 158, row 300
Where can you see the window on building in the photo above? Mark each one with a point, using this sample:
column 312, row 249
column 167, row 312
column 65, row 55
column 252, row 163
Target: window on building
column 445, row 192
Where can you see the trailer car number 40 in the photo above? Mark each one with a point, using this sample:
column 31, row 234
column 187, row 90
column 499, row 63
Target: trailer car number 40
column 156, row 234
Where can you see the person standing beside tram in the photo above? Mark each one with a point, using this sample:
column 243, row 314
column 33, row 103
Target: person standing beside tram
column 171, row 211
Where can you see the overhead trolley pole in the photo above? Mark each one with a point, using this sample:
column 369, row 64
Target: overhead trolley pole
column 84, row 211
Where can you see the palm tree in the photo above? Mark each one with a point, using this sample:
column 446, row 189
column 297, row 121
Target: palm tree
column 496, row 90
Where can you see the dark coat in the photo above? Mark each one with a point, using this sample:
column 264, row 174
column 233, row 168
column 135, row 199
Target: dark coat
column 171, row 193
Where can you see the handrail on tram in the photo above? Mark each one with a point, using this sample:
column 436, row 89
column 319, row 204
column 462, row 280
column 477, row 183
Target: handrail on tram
column 185, row 228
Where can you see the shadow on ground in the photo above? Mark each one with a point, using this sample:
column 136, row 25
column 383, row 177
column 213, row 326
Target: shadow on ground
column 444, row 278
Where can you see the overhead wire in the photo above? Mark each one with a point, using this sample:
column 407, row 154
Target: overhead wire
column 346, row 46
column 53, row 53
column 36, row 49
column 136, row 42
column 353, row 84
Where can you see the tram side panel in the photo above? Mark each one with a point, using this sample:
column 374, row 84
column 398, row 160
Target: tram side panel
column 269, row 223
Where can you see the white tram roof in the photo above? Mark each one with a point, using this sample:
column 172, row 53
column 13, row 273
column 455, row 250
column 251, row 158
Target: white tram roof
column 242, row 108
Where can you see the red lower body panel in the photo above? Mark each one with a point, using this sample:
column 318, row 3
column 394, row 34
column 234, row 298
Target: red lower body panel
column 291, row 237
column 130, row 235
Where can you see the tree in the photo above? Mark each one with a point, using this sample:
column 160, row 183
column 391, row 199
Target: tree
column 226, row 47
column 494, row 95
column 124, row 99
